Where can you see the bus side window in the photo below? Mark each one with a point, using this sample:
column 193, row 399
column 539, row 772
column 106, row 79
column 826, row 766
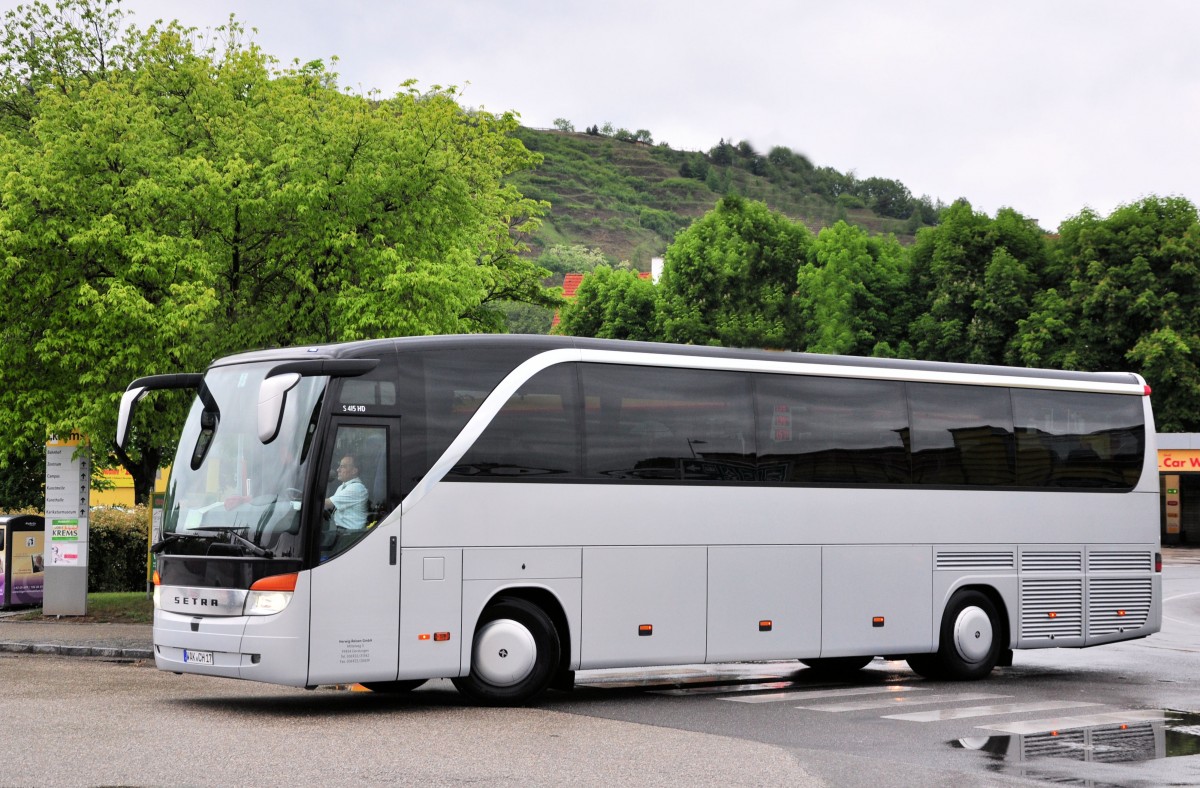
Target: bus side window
column 535, row 434
column 1067, row 439
column 962, row 435
column 815, row 430
column 666, row 424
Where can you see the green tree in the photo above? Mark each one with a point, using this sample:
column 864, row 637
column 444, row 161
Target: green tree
column 186, row 202
column 611, row 304
column 1130, row 300
column 728, row 279
column 527, row 318
column 971, row 279
column 571, row 259
column 851, row 294
column 887, row 197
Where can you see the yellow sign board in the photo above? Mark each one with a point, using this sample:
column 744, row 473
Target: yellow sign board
column 1179, row 461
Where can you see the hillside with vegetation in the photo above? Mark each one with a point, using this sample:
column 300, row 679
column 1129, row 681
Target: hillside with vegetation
column 620, row 193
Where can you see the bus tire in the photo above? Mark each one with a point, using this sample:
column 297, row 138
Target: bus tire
column 837, row 665
column 514, row 654
column 969, row 645
column 394, row 687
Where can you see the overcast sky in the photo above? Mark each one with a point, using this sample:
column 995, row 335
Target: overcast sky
column 1046, row 106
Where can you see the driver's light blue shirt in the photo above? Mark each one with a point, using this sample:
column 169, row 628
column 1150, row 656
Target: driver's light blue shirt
column 350, row 505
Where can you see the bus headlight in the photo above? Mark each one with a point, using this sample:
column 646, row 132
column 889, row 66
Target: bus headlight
column 270, row 595
column 266, row 603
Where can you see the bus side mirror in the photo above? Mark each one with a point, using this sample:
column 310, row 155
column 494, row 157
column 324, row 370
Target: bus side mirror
column 128, row 400
column 272, row 396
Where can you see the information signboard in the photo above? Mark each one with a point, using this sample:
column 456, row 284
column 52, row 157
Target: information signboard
column 68, row 491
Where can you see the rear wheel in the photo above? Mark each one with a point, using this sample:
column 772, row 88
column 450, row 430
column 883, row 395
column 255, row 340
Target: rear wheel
column 970, row 640
column 514, row 654
column 837, row 665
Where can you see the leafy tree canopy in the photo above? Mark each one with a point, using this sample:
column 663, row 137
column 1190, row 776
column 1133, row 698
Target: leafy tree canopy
column 612, row 304
column 166, row 202
column 730, row 277
column 851, row 293
column 972, row 277
column 1130, row 300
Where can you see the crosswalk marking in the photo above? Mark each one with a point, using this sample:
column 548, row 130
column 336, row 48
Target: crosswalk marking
column 724, row 688
column 902, row 700
column 1067, row 723
column 624, row 678
column 983, row 711
column 803, row 695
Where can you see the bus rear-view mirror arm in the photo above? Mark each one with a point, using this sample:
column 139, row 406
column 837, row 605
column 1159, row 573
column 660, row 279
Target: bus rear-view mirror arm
column 142, row 386
column 272, row 394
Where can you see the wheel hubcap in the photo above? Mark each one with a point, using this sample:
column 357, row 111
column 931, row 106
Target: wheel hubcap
column 505, row 652
column 973, row 634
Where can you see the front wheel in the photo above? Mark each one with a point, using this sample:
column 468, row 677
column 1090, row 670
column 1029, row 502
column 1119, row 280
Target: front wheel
column 970, row 640
column 514, row 654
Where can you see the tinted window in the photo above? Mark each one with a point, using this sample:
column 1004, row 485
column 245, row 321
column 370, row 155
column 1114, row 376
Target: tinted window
column 962, row 435
column 1068, row 439
column 535, row 434
column 438, row 391
column 367, row 392
column 832, row 430
column 657, row 423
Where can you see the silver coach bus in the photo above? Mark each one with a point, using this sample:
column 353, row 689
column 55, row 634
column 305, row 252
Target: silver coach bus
column 525, row 507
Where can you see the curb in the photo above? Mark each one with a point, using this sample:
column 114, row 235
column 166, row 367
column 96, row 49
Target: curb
column 77, row 651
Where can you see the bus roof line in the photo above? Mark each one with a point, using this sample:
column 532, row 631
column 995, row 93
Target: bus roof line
column 1135, row 388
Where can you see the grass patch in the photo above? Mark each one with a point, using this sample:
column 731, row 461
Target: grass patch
column 113, row 607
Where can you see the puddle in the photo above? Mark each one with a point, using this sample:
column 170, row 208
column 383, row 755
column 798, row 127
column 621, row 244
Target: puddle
column 1176, row 733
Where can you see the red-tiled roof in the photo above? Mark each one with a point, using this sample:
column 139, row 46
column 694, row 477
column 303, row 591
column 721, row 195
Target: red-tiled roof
column 571, row 284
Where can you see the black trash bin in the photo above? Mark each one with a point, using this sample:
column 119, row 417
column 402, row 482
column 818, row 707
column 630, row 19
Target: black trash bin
column 22, row 560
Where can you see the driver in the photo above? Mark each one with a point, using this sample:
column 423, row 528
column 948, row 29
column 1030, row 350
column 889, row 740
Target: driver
column 349, row 502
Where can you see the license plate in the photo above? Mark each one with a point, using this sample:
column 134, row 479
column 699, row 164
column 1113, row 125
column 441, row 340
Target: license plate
column 198, row 657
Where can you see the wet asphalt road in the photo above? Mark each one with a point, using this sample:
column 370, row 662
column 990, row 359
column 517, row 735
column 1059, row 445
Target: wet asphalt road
column 97, row 722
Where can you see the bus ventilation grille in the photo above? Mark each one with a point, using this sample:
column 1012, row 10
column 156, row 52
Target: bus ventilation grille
column 1120, row 561
column 1118, row 605
column 1051, row 561
column 966, row 560
column 1051, row 609
column 1060, row 744
column 1132, row 744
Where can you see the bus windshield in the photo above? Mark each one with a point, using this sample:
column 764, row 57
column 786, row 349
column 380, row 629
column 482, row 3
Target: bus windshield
column 227, row 488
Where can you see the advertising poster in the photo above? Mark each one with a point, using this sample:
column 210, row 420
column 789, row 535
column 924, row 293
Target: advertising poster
column 27, row 571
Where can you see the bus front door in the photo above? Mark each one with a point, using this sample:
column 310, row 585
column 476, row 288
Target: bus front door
column 355, row 603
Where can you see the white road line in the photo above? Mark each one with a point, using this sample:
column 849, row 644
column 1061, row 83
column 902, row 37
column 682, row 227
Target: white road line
column 728, row 688
column 919, row 700
column 780, row 697
column 1067, row 723
column 983, row 711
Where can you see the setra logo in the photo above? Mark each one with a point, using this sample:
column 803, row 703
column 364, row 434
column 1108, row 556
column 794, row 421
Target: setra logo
column 196, row 601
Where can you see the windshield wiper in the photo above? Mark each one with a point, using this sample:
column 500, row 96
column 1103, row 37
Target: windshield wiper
column 235, row 538
column 169, row 539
